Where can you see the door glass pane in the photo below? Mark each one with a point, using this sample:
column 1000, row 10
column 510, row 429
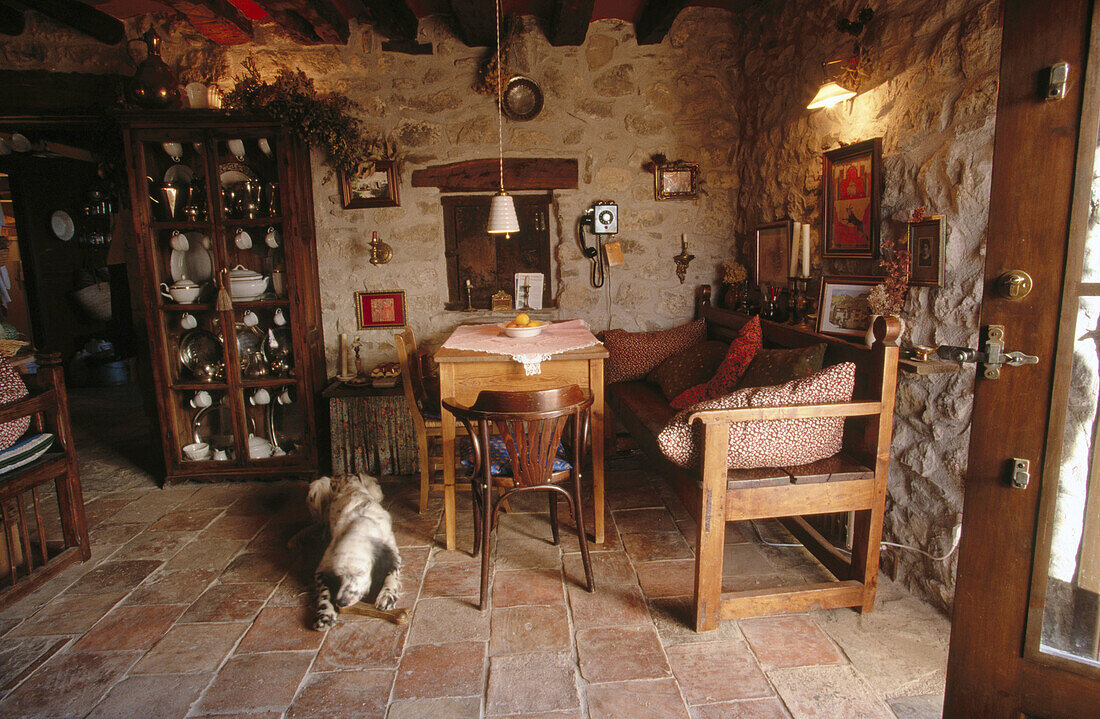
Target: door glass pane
column 1071, row 613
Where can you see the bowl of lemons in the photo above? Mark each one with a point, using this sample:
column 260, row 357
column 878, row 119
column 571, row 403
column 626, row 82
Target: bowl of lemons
column 523, row 326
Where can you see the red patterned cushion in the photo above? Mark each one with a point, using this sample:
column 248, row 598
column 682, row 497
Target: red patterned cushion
column 769, row 443
column 12, row 388
column 633, row 354
column 741, row 352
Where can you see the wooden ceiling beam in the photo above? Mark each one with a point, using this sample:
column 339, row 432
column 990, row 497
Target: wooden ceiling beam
column 82, row 18
column 218, row 20
column 309, row 22
column 476, row 22
column 12, row 21
column 569, row 23
column 520, row 173
column 393, row 18
column 655, row 18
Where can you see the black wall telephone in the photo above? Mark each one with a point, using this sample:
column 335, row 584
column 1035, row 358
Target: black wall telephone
column 601, row 219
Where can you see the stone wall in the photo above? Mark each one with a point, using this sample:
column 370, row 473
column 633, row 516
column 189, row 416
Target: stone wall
column 931, row 95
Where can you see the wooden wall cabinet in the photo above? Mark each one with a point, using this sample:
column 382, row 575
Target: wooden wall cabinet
column 213, row 192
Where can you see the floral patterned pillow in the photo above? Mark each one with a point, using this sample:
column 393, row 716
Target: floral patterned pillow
column 12, row 388
column 769, row 443
column 741, row 352
column 688, row 368
column 634, row 354
column 777, row 366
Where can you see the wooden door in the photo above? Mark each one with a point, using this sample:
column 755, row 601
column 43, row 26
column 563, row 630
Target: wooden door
column 1024, row 597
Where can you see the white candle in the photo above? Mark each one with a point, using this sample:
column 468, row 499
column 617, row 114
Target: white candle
column 343, row 359
column 684, row 241
column 756, row 259
column 796, row 248
column 806, row 249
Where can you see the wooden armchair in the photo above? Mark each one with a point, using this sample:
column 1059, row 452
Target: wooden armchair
column 37, row 541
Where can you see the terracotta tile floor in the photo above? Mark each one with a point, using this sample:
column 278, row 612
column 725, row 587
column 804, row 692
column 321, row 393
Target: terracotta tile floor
column 192, row 607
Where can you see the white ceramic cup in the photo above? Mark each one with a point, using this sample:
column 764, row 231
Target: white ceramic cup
column 188, row 321
column 284, row 397
column 220, row 455
column 237, row 148
column 197, row 451
column 179, row 241
column 260, row 397
column 196, row 96
column 279, row 318
column 19, row 142
column 265, row 146
column 201, row 399
column 250, row 318
column 278, row 283
column 243, row 239
column 272, row 237
column 183, row 295
column 174, row 150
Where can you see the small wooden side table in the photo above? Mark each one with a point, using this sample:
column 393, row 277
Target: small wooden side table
column 371, row 429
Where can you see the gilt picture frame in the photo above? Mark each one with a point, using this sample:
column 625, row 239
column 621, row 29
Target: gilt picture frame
column 676, row 181
column 772, row 254
column 842, row 305
column 376, row 188
column 380, row 310
column 852, row 200
column 927, row 242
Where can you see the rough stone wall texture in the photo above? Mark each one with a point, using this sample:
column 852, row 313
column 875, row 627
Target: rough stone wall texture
column 931, row 95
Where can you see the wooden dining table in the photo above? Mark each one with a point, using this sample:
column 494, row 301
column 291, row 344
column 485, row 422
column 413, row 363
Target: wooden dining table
column 464, row 373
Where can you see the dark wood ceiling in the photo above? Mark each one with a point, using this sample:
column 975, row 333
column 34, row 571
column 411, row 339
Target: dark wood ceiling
column 315, row 22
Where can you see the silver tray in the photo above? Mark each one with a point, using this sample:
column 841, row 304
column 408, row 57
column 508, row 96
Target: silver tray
column 199, row 348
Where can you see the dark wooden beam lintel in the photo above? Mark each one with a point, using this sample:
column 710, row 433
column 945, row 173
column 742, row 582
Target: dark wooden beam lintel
column 218, row 20
column 83, row 18
column 309, row 22
column 569, row 23
column 476, row 22
column 392, row 18
column 525, row 173
column 12, row 21
column 655, row 18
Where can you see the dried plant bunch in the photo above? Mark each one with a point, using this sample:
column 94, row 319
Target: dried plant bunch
column 888, row 297
column 733, row 272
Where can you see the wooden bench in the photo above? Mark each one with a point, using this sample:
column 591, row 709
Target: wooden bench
column 852, row 481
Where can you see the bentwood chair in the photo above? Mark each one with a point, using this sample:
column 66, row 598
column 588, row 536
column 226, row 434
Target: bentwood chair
column 515, row 445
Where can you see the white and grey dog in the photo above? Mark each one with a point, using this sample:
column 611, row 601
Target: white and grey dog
column 361, row 552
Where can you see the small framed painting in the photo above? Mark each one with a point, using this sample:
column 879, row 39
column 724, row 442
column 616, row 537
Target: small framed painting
column 378, row 310
column 772, row 258
column 926, row 248
column 676, row 181
column 374, row 188
column 853, row 195
column 842, row 306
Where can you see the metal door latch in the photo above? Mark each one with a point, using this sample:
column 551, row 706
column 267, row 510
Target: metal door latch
column 1021, row 473
column 992, row 355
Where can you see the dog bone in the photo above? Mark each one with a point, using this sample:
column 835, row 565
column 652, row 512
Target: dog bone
column 397, row 616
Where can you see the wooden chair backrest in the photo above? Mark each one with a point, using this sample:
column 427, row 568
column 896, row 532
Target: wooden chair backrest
column 411, row 381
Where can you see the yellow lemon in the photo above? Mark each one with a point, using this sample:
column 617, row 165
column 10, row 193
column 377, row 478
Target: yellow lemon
column 522, row 320
column 534, row 323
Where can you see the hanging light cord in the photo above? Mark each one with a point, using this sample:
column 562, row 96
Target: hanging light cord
column 500, row 115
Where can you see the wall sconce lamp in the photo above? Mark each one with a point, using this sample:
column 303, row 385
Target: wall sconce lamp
column 831, row 92
column 843, row 76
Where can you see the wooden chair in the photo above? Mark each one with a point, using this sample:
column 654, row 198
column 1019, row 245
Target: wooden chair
column 529, row 425
column 40, row 537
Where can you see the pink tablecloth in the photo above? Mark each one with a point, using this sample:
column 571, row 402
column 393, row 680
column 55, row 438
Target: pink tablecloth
column 528, row 351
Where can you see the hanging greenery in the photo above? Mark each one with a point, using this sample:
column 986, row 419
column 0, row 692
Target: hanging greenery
column 320, row 119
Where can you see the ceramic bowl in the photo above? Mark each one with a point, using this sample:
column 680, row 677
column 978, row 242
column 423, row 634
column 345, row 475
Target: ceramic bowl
column 244, row 284
column 197, row 451
column 523, row 331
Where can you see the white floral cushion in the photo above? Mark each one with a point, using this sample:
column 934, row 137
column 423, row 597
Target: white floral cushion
column 769, row 443
column 12, row 388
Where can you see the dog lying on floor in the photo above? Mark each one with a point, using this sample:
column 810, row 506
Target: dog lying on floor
column 361, row 552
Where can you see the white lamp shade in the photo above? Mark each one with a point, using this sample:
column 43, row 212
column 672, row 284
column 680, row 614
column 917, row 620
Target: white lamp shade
column 829, row 95
column 502, row 215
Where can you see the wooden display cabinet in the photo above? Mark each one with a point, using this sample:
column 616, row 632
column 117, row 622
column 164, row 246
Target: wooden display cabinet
column 213, row 192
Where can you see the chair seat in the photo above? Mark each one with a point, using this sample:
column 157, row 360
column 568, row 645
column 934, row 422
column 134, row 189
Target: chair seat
column 499, row 463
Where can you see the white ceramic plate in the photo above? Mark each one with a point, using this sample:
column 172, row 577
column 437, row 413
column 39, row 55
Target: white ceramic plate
column 179, row 175
column 233, row 172
column 62, row 226
column 194, row 264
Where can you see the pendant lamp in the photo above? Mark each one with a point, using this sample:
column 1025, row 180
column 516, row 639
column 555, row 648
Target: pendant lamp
column 502, row 211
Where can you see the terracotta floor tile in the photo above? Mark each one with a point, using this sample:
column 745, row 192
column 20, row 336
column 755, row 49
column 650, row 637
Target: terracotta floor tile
column 526, row 586
column 789, row 641
column 450, row 708
column 20, row 657
column 214, row 495
column 441, row 670
column 615, row 654
column 611, row 605
column 827, row 692
column 633, row 498
column 373, row 644
column 452, row 579
column 66, row 615
column 607, row 568
column 717, row 671
column 213, row 555
column 416, row 533
column 925, row 706
column 286, row 629
column 255, row 567
column 745, row 560
column 651, row 699
column 438, row 620
column 524, row 684
column 569, row 541
column 115, row 576
column 185, row 520
column 269, row 502
column 631, row 521
column 166, row 587
column 115, row 534
column 674, row 618
column 519, row 552
column 296, row 590
column 235, row 527
column 191, row 649
column 155, row 545
column 770, row 708
column 228, row 603
column 348, row 695
column 102, row 508
column 563, row 714
column 67, row 685
column 238, row 715
column 130, row 627
column 256, row 682
column 655, row 546
column 160, row 697
column 517, row 630
column 671, row 578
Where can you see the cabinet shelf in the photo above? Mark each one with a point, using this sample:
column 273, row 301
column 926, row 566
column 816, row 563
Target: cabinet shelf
column 187, row 307
column 178, row 225
column 267, row 383
column 252, row 223
column 196, row 385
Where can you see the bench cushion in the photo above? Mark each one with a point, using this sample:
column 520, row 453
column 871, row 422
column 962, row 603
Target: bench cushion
column 631, row 355
column 743, row 348
column 689, row 367
column 777, row 366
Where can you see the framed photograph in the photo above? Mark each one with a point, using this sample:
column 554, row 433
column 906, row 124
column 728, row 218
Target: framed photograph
column 378, row 310
column 853, row 193
column 842, row 305
column 926, row 248
column 676, row 181
column 377, row 188
column 772, row 256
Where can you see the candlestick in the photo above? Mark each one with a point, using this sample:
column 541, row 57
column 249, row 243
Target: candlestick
column 796, row 248
column 806, row 250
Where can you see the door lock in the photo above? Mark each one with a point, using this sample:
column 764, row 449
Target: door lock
column 992, row 355
column 1014, row 285
column 1020, row 474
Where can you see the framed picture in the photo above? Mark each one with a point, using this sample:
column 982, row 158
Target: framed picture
column 772, row 256
column 377, row 310
column 853, row 193
column 676, row 181
column 926, row 248
column 377, row 188
column 842, row 305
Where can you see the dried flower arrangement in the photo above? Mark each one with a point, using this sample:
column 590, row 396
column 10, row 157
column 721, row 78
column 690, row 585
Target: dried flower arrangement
column 733, row 272
column 888, row 297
